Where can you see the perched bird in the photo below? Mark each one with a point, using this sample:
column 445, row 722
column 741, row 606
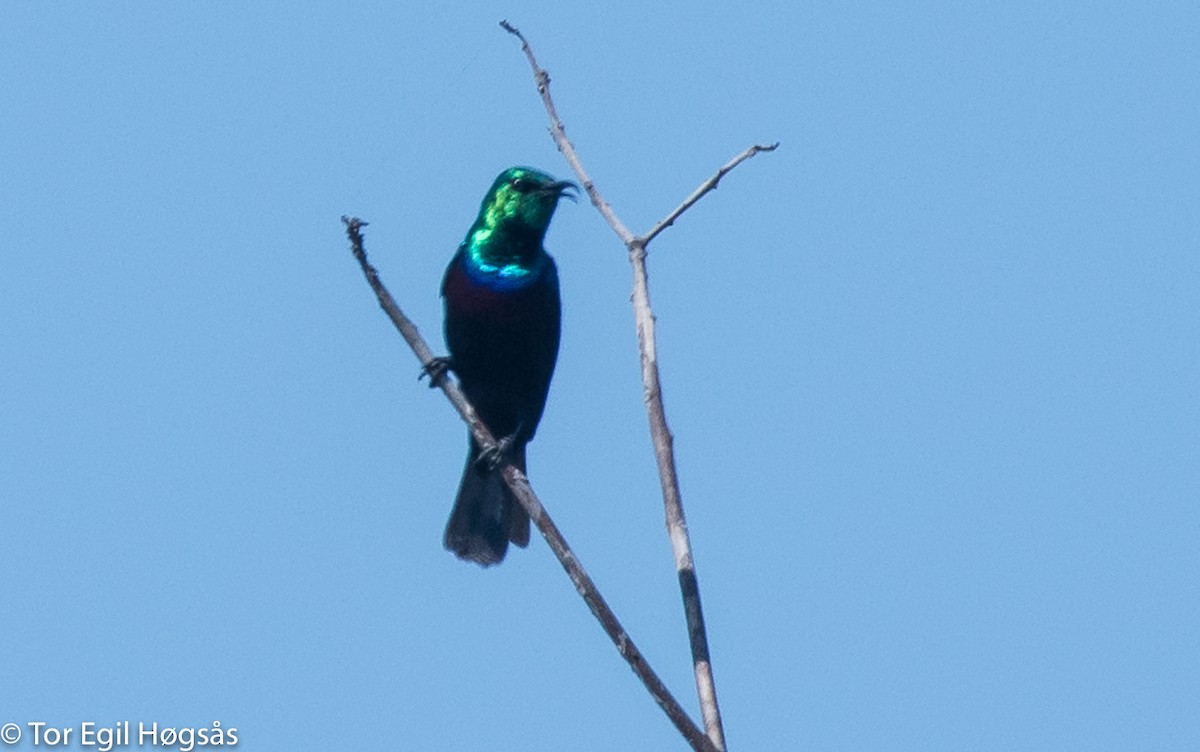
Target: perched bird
column 502, row 330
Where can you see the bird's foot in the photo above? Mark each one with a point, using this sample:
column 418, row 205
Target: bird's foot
column 435, row 369
column 498, row 454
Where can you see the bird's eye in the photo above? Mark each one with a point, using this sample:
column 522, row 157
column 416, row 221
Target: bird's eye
column 521, row 185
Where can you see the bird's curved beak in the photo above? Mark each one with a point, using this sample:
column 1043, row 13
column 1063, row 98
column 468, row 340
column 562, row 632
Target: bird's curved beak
column 560, row 188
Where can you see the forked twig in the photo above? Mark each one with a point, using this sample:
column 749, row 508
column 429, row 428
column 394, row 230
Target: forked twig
column 652, row 389
column 519, row 484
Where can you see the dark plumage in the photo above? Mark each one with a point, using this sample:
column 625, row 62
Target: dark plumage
column 502, row 330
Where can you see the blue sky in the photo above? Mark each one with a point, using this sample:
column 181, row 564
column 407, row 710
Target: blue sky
column 932, row 368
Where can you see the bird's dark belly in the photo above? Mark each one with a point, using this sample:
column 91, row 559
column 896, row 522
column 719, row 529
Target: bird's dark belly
column 503, row 344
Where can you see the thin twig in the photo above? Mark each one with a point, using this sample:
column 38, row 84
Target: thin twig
column 651, row 386
column 705, row 187
column 559, row 133
column 519, row 484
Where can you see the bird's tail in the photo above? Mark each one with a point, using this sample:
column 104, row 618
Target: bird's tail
column 486, row 516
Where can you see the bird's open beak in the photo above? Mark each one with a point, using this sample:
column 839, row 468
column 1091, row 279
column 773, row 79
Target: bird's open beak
column 561, row 187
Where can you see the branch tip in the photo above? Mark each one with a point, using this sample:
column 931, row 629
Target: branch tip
column 706, row 187
column 514, row 31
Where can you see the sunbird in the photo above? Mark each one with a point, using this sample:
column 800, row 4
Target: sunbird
column 502, row 325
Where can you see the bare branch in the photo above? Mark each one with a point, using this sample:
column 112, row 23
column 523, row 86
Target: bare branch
column 559, row 134
column 519, row 484
column 705, row 187
column 664, row 455
column 651, row 386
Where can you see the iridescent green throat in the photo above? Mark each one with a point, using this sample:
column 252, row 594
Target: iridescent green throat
column 506, row 239
column 484, row 257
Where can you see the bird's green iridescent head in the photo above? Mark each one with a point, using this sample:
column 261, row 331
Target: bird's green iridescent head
column 513, row 218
